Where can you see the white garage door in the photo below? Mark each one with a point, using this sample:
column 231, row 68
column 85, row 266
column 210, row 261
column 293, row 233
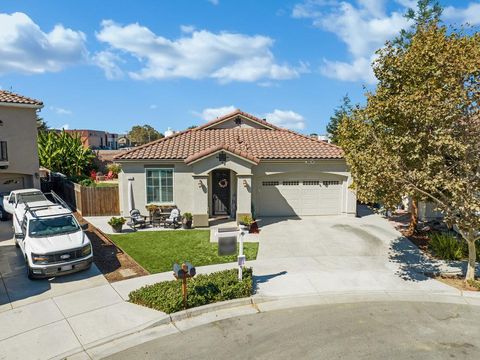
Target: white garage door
column 287, row 197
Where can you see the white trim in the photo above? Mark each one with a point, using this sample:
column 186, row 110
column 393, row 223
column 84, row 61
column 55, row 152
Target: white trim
column 173, row 187
column 222, row 150
column 235, row 115
column 17, row 105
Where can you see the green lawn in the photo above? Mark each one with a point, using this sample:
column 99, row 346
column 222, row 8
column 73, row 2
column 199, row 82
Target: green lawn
column 157, row 251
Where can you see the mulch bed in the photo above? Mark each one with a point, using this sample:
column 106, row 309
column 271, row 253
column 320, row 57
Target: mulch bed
column 400, row 221
column 457, row 281
column 114, row 264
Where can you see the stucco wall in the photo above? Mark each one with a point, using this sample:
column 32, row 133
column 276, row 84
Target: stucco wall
column 187, row 188
column 183, row 185
column 19, row 129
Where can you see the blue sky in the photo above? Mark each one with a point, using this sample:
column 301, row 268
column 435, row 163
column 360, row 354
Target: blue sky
column 109, row 65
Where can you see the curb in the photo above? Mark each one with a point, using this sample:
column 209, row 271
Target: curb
column 183, row 320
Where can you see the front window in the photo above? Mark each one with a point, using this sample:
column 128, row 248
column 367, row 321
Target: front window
column 31, row 197
column 52, row 226
column 159, row 185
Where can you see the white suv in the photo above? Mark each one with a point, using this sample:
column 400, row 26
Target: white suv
column 52, row 241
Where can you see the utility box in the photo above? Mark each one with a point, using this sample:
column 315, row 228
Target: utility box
column 227, row 241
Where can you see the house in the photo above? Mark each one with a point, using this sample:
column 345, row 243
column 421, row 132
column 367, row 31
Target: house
column 96, row 139
column 123, row 141
column 237, row 165
column 19, row 165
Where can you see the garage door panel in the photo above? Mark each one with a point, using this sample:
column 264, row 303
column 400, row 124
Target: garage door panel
column 284, row 196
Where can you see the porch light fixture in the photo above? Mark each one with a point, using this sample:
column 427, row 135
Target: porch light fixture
column 200, row 183
column 245, row 184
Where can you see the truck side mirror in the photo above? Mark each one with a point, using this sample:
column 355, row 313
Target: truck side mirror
column 84, row 226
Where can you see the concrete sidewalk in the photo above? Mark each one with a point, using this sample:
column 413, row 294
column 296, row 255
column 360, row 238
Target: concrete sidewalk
column 64, row 325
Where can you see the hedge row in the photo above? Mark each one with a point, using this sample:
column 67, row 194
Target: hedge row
column 166, row 296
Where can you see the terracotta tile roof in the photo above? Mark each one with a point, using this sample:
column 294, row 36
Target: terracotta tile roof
column 257, row 143
column 234, row 113
column 12, row 98
column 214, row 149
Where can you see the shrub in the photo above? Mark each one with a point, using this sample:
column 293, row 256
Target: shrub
column 87, row 182
column 114, row 168
column 246, row 220
column 188, row 216
column 116, row 221
column 166, row 296
column 446, row 246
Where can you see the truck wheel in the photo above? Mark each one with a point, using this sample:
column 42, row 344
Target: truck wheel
column 16, row 242
column 29, row 270
column 3, row 215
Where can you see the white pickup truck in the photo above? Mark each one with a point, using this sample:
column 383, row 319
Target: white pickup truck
column 51, row 239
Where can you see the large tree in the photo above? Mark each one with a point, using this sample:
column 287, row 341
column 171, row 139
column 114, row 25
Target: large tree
column 342, row 111
column 418, row 133
column 142, row 134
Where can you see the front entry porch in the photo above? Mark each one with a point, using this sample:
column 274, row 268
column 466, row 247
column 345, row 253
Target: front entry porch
column 223, row 188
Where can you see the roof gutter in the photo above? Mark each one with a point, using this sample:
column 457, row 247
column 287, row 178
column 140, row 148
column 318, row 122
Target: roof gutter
column 18, row 105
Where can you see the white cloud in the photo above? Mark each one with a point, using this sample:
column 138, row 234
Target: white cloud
column 107, row 61
column 363, row 28
column 202, row 54
column 286, row 118
column 214, row 2
column 153, row 106
column 61, row 111
column 26, row 48
column 470, row 14
column 209, row 114
column 360, row 69
column 187, row 28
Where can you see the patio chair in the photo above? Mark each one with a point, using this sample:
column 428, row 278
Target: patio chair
column 137, row 220
column 174, row 220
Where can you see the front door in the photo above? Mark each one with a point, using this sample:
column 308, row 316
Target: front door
column 221, row 192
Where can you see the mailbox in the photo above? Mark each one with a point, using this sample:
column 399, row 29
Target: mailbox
column 184, row 271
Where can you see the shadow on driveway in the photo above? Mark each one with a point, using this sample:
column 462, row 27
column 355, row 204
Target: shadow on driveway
column 414, row 265
column 261, row 279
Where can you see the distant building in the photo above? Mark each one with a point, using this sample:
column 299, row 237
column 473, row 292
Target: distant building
column 123, row 141
column 325, row 138
column 97, row 139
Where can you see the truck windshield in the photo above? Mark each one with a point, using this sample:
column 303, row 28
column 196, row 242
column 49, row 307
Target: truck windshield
column 31, row 197
column 53, row 226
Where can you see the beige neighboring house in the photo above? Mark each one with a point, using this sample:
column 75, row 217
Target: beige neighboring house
column 19, row 166
column 235, row 165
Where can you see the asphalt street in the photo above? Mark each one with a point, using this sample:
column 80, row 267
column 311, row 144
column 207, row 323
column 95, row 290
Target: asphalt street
column 377, row 330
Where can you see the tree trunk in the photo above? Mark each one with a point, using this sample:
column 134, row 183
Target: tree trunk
column 472, row 255
column 412, row 227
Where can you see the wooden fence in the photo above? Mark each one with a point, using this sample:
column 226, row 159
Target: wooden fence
column 87, row 201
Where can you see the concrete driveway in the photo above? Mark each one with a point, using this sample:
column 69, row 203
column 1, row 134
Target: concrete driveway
column 17, row 290
column 337, row 254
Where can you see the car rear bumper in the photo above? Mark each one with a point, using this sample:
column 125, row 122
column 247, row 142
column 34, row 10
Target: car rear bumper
column 61, row 269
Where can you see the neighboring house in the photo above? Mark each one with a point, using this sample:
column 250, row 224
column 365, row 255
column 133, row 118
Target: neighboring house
column 237, row 165
column 123, row 141
column 19, row 166
column 97, row 139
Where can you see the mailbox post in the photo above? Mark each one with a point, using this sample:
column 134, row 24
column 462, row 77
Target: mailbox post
column 184, row 272
column 241, row 256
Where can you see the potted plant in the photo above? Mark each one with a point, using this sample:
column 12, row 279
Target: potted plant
column 116, row 223
column 187, row 220
column 245, row 222
column 151, row 209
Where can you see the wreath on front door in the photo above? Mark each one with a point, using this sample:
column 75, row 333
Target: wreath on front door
column 223, row 183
